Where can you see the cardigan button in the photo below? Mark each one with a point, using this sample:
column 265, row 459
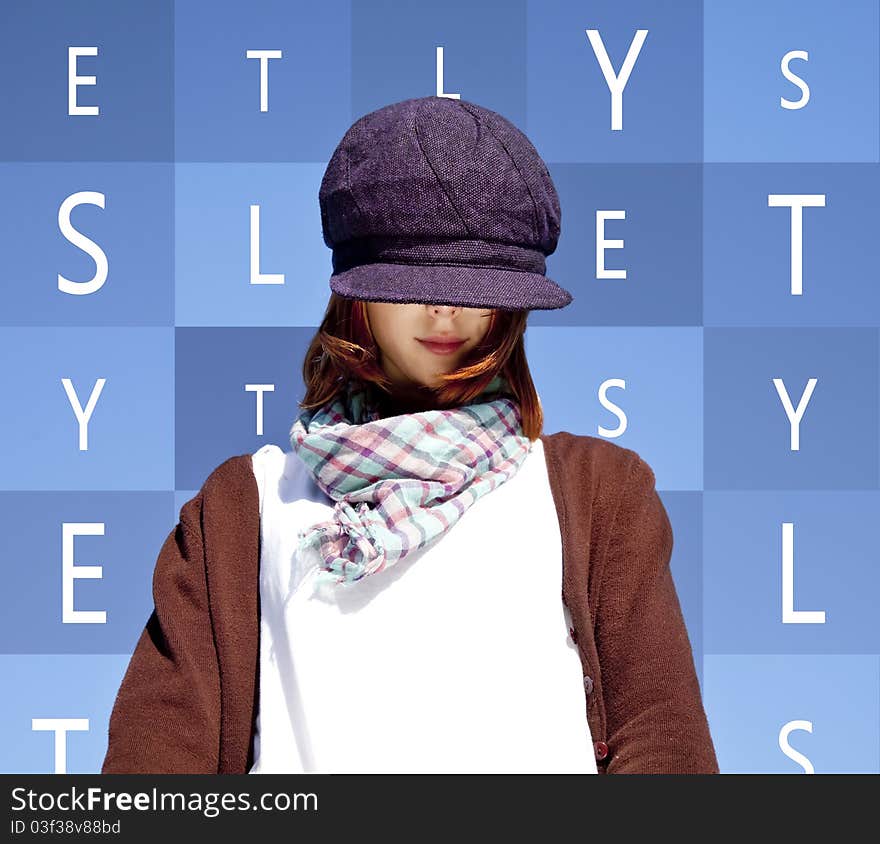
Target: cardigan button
column 601, row 749
column 588, row 683
column 573, row 634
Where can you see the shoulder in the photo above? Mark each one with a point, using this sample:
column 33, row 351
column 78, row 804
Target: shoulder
column 608, row 469
column 614, row 488
column 230, row 491
column 222, row 522
column 242, row 481
column 609, row 486
column 234, row 472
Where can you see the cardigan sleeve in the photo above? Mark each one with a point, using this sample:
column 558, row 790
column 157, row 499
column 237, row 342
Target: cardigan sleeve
column 166, row 716
column 655, row 718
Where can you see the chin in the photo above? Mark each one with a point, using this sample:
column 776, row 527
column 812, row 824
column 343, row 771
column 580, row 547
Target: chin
column 432, row 384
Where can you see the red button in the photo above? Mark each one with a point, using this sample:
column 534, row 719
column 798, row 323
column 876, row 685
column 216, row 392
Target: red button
column 601, row 749
column 573, row 633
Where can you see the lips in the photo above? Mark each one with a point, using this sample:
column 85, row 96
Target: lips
column 441, row 348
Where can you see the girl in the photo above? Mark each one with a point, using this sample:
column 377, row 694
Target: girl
column 424, row 582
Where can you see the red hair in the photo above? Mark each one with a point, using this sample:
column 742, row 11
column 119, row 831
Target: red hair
column 344, row 348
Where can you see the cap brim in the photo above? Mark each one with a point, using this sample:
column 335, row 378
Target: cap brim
column 450, row 284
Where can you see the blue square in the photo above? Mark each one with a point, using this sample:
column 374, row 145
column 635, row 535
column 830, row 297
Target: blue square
column 638, row 387
column 89, row 685
column 107, row 229
column 117, row 535
column 753, row 373
column 218, row 90
column 570, row 104
column 630, row 247
column 126, row 50
column 394, row 53
column 791, row 245
column 786, row 714
column 280, row 275
column 98, row 413
column 228, row 380
column 827, row 542
column 830, row 48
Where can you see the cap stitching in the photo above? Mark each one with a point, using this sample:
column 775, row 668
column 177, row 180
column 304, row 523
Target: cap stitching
column 436, row 177
column 515, row 167
column 348, row 185
column 504, row 267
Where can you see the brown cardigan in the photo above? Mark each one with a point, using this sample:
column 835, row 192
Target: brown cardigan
column 189, row 698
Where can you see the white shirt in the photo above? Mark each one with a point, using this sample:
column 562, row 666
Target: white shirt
column 456, row 659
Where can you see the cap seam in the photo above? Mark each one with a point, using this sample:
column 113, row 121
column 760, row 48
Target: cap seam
column 348, row 185
column 453, row 237
column 504, row 267
column 515, row 167
column 436, row 177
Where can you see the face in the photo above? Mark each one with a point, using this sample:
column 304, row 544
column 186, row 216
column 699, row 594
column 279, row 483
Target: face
column 399, row 328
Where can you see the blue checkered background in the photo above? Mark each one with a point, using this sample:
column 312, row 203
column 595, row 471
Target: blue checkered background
column 686, row 346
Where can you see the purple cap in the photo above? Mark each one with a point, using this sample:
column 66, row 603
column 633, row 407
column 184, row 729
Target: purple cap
column 441, row 201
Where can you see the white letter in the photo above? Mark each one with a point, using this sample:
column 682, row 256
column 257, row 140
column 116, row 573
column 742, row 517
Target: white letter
column 259, row 389
column 73, row 80
column 440, row 77
column 609, row 405
column 69, row 571
column 60, row 726
column 256, row 276
column 602, row 244
column 794, row 416
column 789, row 751
column 797, row 202
column 264, row 56
column 616, row 84
column 789, row 614
column 83, row 416
column 792, row 77
column 81, row 288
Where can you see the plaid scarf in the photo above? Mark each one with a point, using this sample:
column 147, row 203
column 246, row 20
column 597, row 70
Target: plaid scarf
column 401, row 481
